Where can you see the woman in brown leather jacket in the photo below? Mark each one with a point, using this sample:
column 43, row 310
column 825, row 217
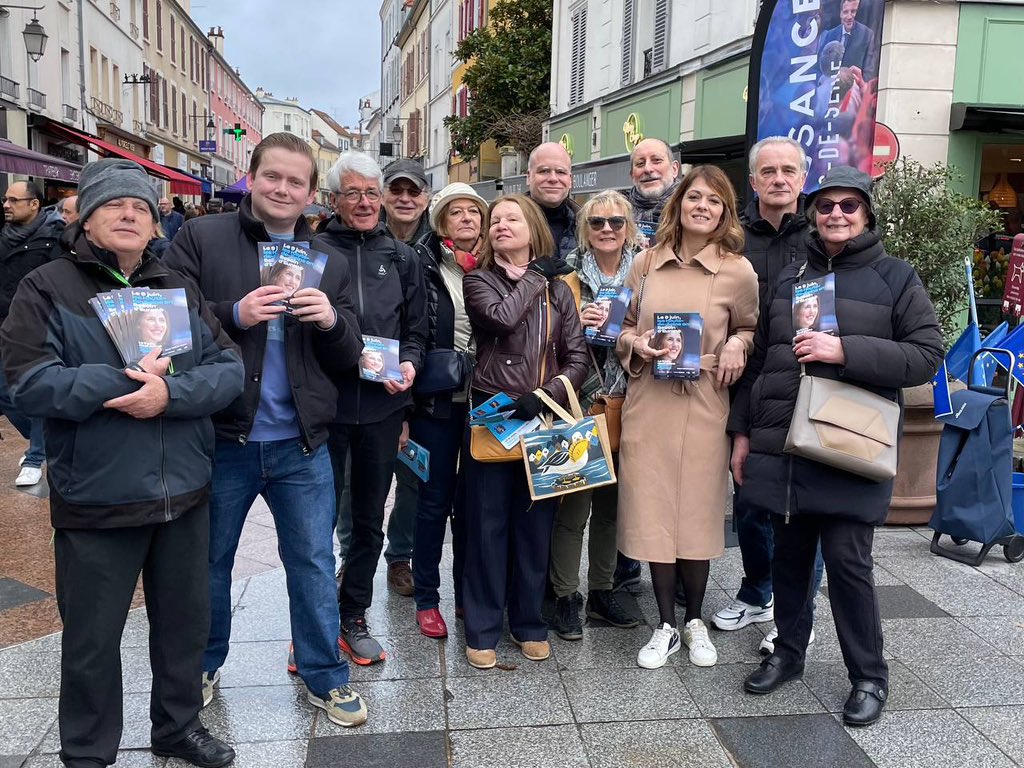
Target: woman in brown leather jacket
column 527, row 332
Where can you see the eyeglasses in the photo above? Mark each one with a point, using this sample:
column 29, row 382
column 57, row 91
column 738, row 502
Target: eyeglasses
column 13, row 200
column 615, row 222
column 410, row 190
column 847, row 206
column 353, row 195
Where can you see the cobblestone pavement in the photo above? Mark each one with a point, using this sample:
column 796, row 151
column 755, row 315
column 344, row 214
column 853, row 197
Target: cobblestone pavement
column 954, row 636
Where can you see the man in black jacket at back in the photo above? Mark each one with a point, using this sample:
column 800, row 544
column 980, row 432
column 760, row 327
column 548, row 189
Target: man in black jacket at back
column 29, row 239
column 271, row 440
column 773, row 226
column 390, row 300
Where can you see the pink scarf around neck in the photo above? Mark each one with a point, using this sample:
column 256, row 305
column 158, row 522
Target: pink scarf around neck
column 515, row 273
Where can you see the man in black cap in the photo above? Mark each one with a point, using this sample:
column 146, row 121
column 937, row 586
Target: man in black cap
column 406, row 195
column 130, row 460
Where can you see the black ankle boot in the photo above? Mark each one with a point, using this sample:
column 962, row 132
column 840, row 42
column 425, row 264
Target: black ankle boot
column 566, row 621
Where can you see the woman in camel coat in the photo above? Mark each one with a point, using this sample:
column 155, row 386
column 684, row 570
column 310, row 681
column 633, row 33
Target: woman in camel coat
column 674, row 450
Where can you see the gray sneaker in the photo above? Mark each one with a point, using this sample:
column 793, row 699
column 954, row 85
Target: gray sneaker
column 210, row 681
column 342, row 705
column 355, row 640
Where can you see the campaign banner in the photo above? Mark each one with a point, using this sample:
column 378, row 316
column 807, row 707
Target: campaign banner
column 814, row 78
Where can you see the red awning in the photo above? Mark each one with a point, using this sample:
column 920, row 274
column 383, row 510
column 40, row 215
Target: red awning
column 180, row 183
column 15, row 159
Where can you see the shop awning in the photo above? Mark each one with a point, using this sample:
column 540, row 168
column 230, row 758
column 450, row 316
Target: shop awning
column 714, row 150
column 180, row 183
column 236, row 191
column 15, row 159
column 990, row 118
column 207, row 185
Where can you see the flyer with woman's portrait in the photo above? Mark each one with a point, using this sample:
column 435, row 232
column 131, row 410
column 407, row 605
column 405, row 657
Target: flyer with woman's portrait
column 613, row 301
column 379, row 361
column 679, row 334
column 814, row 305
column 291, row 266
column 160, row 321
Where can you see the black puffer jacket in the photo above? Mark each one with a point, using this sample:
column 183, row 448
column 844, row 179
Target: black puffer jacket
column 770, row 250
column 219, row 253
column 105, row 468
column 390, row 301
column 891, row 339
column 440, row 320
column 20, row 255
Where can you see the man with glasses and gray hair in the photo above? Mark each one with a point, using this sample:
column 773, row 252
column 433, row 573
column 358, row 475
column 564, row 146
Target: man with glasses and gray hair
column 390, row 299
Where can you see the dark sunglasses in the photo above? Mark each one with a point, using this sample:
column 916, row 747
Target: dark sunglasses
column 615, row 222
column 847, row 206
column 410, row 189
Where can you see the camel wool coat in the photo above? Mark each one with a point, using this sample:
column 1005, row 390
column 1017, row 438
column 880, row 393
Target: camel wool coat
column 674, row 450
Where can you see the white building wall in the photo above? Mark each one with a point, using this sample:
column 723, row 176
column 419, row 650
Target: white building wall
column 442, row 35
column 391, row 18
column 112, row 39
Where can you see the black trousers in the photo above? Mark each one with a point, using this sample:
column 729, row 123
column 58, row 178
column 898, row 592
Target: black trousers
column 373, row 449
column 96, row 574
column 846, row 549
column 508, row 538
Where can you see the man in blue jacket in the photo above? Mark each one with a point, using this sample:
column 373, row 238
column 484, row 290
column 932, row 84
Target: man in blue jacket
column 271, row 440
column 129, row 452
column 858, row 40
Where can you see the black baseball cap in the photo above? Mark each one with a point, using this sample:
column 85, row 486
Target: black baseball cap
column 406, row 169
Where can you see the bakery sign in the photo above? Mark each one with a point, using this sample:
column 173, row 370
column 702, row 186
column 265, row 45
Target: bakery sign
column 131, row 146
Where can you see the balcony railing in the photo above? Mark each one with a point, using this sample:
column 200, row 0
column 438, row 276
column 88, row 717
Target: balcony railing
column 106, row 112
column 70, row 113
column 36, row 98
column 134, row 29
column 9, row 88
column 115, row 12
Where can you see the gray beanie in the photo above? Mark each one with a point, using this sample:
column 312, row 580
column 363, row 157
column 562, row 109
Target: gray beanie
column 110, row 179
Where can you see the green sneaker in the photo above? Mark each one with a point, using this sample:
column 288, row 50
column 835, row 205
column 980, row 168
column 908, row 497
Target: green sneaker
column 342, row 705
column 210, row 681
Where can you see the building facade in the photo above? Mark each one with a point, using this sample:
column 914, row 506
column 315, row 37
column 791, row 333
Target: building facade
column 414, row 46
column 232, row 104
column 439, row 76
column 391, row 17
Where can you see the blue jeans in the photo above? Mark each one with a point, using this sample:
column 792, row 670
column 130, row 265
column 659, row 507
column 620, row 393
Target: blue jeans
column 29, row 428
column 757, row 547
column 299, row 489
column 401, row 523
column 437, row 503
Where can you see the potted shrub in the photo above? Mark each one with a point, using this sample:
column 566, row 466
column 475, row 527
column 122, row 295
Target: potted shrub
column 926, row 222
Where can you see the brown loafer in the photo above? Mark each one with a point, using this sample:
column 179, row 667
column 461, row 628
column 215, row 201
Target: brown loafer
column 481, row 658
column 534, row 650
column 400, row 578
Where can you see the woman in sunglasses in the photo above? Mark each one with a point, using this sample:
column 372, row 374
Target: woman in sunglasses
column 674, row 450
column 606, row 228
column 887, row 339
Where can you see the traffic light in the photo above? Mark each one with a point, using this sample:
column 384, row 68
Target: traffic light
column 238, row 131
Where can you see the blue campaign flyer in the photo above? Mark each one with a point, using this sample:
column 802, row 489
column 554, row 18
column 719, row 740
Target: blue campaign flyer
column 379, row 361
column 416, row 458
column 679, row 334
column 814, row 306
column 160, row 321
column 613, row 302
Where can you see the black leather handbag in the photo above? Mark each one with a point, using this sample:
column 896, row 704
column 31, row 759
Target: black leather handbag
column 444, row 370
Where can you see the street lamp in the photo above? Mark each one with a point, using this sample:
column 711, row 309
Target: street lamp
column 34, row 34
column 396, row 136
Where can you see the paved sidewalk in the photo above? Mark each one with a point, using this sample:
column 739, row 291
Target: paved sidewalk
column 954, row 635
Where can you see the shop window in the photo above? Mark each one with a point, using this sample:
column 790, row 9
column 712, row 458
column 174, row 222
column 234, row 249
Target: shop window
column 1001, row 185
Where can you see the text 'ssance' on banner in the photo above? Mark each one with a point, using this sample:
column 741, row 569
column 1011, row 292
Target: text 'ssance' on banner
column 814, row 78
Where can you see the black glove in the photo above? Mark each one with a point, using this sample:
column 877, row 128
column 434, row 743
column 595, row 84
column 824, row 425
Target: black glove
column 550, row 267
column 527, row 407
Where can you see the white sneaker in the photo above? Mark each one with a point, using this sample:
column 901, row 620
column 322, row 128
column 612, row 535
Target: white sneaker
column 210, row 681
column 664, row 642
column 29, row 476
column 702, row 651
column 767, row 647
column 738, row 614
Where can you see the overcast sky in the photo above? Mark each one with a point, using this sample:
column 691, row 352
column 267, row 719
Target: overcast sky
column 326, row 54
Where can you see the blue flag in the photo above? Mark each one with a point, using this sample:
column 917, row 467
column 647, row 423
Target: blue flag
column 958, row 359
column 985, row 367
column 1014, row 344
column 940, row 392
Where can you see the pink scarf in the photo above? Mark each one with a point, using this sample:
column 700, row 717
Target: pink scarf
column 514, row 273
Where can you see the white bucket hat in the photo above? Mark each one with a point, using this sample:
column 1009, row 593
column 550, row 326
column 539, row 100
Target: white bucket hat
column 455, row 191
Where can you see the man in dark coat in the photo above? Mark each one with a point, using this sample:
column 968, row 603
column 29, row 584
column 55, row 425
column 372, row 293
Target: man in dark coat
column 29, row 239
column 130, row 455
column 655, row 173
column 858, row 40
column 271, row 441
column 549, row 180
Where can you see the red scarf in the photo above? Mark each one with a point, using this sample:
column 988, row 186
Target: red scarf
column 467, row 260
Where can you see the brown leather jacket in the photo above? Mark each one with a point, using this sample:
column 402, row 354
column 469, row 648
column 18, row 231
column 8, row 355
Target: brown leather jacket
column 510, row 325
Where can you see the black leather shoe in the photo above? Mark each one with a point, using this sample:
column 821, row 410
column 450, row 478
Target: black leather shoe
column 199, row 748
column 772, row 673
column 865, row 704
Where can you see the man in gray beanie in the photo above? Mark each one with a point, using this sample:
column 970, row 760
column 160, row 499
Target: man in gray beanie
column 128, row 488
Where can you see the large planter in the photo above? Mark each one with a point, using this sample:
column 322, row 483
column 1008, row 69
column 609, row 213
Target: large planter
column 913, row 495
